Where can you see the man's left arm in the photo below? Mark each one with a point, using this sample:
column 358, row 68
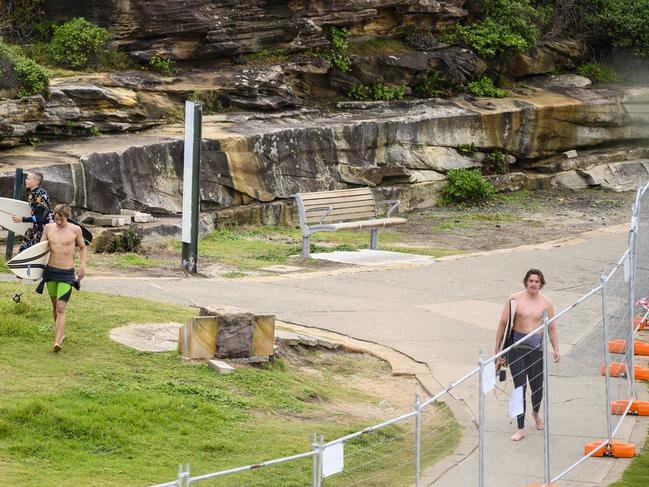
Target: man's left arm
column 554, row 335
column 83, row 249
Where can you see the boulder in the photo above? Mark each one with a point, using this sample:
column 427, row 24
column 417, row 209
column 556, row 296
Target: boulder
column 617, row 176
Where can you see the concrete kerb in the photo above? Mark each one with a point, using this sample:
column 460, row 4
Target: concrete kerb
column 403, row 365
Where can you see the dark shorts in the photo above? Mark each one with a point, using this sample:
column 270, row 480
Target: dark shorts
column 59, row 290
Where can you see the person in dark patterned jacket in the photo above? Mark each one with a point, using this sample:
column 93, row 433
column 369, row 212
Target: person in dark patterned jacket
column 39, row 202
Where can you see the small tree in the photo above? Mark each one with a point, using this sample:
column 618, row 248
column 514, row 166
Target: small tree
column 77, row 43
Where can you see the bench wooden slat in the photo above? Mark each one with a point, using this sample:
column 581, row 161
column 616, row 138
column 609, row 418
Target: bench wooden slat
column 358, row 197
column 342, row 215
column 343, row 204
column 336, row 193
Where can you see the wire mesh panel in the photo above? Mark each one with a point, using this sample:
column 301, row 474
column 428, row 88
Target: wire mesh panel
column 384, row 456
column 642, row 246
column 293, row 473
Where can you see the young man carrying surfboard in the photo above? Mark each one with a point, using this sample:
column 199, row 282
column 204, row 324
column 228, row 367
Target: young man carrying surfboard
column 39, row 203
column 59, row 275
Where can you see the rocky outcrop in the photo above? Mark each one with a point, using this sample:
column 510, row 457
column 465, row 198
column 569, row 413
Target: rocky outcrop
column 207, row 29
column 403, row 149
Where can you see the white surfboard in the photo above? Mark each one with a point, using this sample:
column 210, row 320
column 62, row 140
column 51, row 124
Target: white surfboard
column 10, row 207
column 30, row 263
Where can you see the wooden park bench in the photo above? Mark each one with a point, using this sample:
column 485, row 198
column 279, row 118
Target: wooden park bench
column 345, row 209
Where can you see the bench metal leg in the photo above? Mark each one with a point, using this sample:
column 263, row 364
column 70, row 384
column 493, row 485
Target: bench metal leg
column 306, row 247
column 374, row 238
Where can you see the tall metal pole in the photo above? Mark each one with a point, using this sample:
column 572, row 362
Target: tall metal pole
column 191, row 185
column 546, row 401
column 18, row 184
column 607, row 360
column 481, row 415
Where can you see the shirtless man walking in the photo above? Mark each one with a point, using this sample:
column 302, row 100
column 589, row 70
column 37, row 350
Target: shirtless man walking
column 59, row 275
column 526, row 359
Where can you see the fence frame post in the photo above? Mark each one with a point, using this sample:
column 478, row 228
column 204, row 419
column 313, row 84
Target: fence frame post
column 607, row 359
column 481, row 415
column 18, row 184
column 417, row 440
column 630, row 329
column 546, row 401
column 315, row 446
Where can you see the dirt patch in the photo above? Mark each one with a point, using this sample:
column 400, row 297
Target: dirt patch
column 377, row 393
column 517, row 219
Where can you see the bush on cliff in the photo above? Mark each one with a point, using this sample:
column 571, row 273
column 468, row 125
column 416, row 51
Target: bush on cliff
column 21, row 76
column 507, row 27
column 466, row 186
column 623, row 23
column 77, row 43
column 338, row 55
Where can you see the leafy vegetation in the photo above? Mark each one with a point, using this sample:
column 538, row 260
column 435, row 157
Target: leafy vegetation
column 20, row 17
column 162, row 64
column 466, row 149
column 484, row 86
column 267, row 56
column 598, row 73
column 338, row 54
column 21, row 74
column 466, row 186
column 128, row 240
column 378, row 91
column 433, row 86
column 77, row 43
column 496, row 163
column 623, row 23
column 508, row 27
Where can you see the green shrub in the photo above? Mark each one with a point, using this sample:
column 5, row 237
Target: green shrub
column 484, row 86
column 378, row 91
column 448, row 35
column 496, row 163
column 623, row 23
column 466, row 186
column 20, row 75
column 77, row 43
column 35, row 78
column 162, row 65
column 466, row 149
column 129, row 240
column 338, row 54
column 509, row 26
column 433, row 86
column 598, row 73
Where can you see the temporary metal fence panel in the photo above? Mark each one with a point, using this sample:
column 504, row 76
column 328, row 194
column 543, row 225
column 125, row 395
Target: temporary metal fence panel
column 380, row 455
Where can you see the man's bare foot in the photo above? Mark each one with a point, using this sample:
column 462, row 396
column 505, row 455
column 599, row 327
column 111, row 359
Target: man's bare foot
column 57, row 347
column 518, row 436
column 539, row 421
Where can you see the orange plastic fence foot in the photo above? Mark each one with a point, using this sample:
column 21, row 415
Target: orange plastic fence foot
column 617, row 369
column 618, row 346
column 639, row 323
column 639, row 408
column 616, row 449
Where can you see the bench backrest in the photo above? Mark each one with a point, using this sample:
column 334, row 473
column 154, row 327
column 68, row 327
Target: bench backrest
column 346, row 204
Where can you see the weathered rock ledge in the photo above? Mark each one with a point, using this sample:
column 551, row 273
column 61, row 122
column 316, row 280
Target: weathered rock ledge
column 401, row 148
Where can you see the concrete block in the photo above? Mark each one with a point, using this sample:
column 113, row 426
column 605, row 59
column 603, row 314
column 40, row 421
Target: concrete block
column 220, row 367
column 570, row 154
column 142, row 218
column 263, row 335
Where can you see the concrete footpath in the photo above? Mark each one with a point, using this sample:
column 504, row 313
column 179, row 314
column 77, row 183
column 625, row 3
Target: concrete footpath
column 443, row 314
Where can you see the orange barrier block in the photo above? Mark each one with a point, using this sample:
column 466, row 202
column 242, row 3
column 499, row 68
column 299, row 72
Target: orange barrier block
column 639, row 348
column 639, row 408
column 616, row 449
column 617, row 369
column 639, row 323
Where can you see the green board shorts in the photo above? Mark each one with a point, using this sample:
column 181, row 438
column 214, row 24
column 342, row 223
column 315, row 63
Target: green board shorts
column 59, row 290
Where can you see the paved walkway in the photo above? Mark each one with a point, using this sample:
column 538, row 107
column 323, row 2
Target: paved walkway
column 443, row 314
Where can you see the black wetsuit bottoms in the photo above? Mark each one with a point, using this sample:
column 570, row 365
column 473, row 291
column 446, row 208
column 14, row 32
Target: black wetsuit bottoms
column 526, row 364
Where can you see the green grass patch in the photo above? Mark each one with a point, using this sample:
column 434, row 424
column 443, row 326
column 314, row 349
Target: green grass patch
column 378, row 47
column 99, row 413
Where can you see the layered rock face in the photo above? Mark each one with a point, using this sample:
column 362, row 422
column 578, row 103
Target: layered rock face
column 402, row 149
column 205, row 29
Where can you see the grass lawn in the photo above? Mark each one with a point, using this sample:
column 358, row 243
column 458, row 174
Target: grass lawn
column 99, row 413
